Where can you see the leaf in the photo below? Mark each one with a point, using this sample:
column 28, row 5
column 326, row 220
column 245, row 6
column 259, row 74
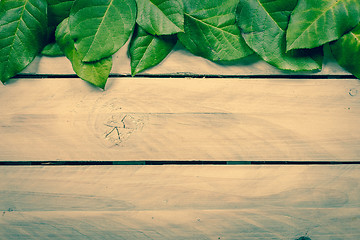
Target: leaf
column 263, row 24
column 52, row 50
column 316, row 22
column 58, row 10
column 96, row 73
column 346, row 51
column 23, row 29
column 147, row 50
column 101, row 27
column 161, row 17
column 210, row 30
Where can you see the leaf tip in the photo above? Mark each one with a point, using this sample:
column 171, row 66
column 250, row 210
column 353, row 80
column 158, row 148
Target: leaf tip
column 102, row 85
column 5, row 78
column 135, row 69
column 288, row 48
column 134, row 72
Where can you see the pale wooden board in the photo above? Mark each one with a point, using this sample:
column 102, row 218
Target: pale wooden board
column 180, row 202
column 181, row 62
column 180, row 119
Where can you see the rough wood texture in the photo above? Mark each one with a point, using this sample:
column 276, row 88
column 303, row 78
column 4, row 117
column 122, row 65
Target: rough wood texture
column 180, row 202
column 180, row 119
column 181, row 62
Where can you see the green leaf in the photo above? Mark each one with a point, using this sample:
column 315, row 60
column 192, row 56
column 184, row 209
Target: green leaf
column 23, row 29
column 96, row 73
column 147, row 50
column 101, row 27
column 52, row 50
column 58, row 10
column 211, row 32
column 263, row 24
column 346, row 51
column 161, row 17
column 316, row 22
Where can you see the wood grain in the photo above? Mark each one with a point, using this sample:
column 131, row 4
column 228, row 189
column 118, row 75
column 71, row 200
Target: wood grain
column 181, row 62
column 180, row 202
column 180, row 119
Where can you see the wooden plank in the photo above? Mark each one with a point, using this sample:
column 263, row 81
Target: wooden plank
column 180, row 202
column 181, row 62
column 180, row 119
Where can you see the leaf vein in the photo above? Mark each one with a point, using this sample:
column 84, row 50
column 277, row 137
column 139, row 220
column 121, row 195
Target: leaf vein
column 315, row 20
column 16, row 31
column 200, row 20
column 102, row 21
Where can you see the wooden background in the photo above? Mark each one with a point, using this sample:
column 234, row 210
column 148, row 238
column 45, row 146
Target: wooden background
column 243, row 151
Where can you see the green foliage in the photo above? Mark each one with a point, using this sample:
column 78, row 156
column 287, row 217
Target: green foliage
column 23, row 30
column 147, row 50
column 210, row 30
column 346, row 51
column 264, row 24
column 288, row 34
column 161, row 17
column 316, row 22
column 96, row 73
column 58, row 10
column 52, row 50
column 101, row 27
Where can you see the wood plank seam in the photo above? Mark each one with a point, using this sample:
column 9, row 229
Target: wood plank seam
column 255, row 76
column 172, row 162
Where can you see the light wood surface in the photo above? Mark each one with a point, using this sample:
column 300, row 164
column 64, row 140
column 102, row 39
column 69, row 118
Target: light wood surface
column 181, row 119
column 180, row 202
column 212, row 119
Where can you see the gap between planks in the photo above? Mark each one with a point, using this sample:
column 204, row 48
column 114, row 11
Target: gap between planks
column 171, row 162
column 212, row 76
